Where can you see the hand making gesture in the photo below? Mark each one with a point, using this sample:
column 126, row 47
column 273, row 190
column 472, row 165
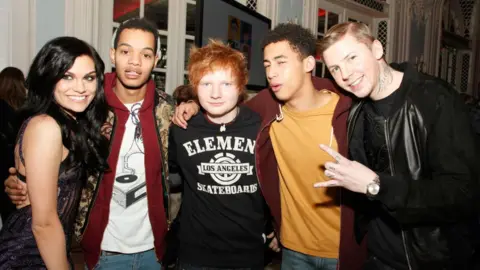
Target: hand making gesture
column 346, row 173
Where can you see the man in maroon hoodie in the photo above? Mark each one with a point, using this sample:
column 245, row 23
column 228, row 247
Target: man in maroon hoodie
column 123, row 214
column 298, row 113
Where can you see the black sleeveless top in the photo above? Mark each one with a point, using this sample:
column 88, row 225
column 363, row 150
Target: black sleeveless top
column 18, row 248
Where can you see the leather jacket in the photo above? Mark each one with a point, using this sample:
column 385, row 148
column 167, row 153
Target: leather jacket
column 432, row 191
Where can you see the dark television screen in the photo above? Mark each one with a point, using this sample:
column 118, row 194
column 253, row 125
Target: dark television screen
column 238, row 25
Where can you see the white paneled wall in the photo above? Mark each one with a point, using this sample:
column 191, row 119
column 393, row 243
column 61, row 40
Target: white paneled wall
column 17, row 33
column 5, row 33
column 23, row 33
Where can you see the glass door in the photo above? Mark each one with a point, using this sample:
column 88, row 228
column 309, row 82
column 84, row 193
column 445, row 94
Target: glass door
column 328, row 15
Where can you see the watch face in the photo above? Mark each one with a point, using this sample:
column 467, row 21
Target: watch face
column 373, row 188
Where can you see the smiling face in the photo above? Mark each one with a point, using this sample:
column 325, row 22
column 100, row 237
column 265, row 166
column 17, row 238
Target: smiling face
column 134, row 57
column 218, row 95
column 286, row 71
column 76, row 90
column 354, row 65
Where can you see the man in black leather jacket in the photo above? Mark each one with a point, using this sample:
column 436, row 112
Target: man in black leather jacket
column 413, row 154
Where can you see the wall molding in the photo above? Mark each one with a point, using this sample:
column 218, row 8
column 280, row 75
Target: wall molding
column 269, row 9
column 6, row 35
column 310, row 15
column 436, row 51
column 402, row 31
column 475, row 67
column 32, row 11
column 91, row 21
column 420, row 10
column 433, row 31
column 23, row 34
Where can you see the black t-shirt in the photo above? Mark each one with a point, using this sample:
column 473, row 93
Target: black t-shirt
column 222, row 216
column 384, row 233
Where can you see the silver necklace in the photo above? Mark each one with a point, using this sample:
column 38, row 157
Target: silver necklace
column 223, row 128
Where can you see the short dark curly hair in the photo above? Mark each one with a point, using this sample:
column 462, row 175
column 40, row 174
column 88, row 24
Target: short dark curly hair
column 138, row 24
column 300, row 39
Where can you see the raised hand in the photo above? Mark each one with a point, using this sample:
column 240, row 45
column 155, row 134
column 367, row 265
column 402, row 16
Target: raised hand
column 346, row 173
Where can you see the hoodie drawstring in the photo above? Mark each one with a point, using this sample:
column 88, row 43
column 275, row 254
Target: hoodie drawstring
column 279, row 117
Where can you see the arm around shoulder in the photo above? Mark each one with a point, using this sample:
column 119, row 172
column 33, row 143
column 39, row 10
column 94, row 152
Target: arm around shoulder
column 174, row 173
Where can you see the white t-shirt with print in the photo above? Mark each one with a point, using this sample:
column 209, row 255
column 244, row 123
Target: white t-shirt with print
column 129, row 229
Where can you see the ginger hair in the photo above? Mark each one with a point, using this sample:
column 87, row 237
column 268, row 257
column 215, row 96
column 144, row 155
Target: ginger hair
column 214, row 56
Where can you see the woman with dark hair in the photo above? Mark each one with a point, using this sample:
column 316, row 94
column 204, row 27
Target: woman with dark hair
column 12, row 96
column 58, row 147
column 12, row 87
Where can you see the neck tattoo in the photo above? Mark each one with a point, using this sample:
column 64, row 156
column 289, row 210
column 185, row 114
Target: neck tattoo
column 385, row 78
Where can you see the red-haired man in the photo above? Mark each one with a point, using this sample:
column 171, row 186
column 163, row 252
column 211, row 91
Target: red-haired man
column 222, row 216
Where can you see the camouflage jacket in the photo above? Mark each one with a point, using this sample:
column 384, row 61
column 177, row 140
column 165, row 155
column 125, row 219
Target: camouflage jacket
column 164, row 107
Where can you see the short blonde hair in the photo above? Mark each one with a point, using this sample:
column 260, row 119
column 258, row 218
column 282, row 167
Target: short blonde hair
column 360, row 31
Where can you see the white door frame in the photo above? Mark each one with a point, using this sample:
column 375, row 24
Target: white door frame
column 360, row 17
column 348, row 8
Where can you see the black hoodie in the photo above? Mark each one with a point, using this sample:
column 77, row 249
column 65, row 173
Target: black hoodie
column 222, row 216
